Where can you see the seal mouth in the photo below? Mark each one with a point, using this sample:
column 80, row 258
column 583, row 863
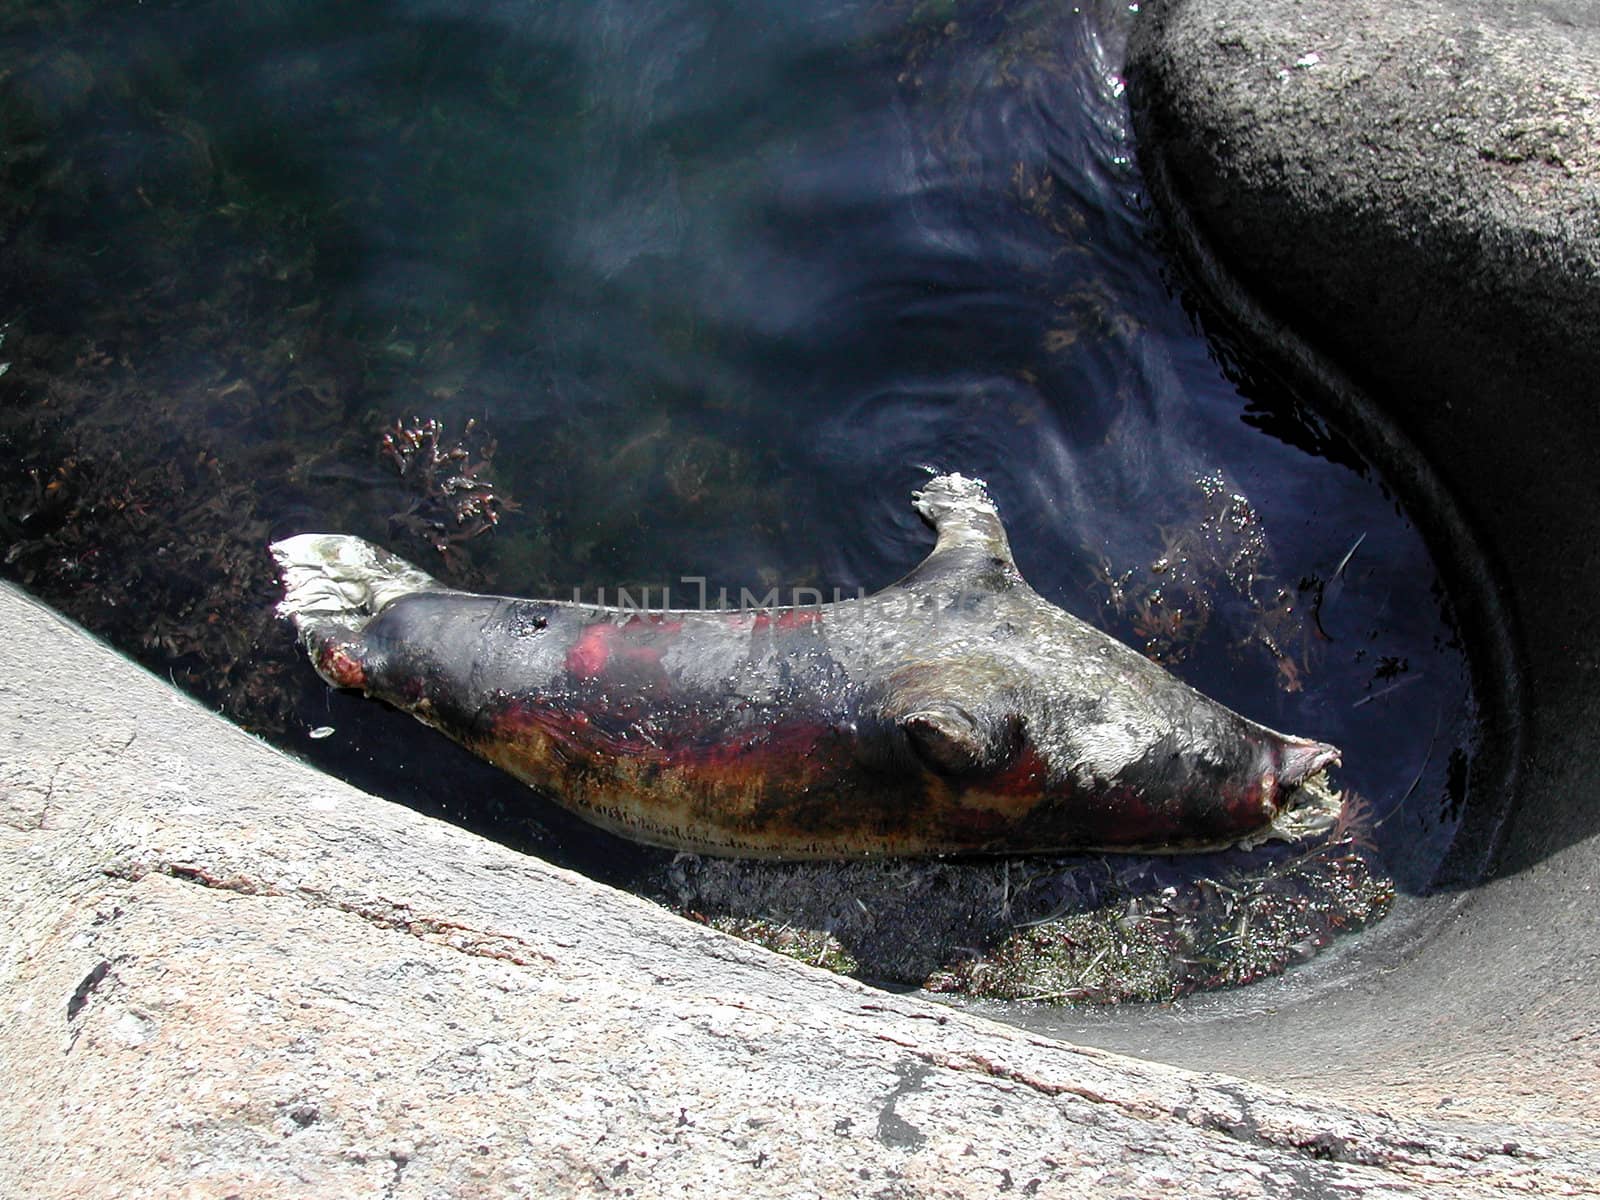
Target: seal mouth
column 1311, row 810
column 1302, row 759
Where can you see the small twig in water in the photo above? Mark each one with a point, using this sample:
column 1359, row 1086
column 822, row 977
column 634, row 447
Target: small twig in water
column 1348, row 555
column 1323, row 590
column 1393, row 687
column 1045, row 920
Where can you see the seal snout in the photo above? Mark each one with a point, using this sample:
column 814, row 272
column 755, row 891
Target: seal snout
column 1301, row 758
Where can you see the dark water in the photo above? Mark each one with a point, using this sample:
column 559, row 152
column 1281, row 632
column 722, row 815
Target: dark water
column 720, row 282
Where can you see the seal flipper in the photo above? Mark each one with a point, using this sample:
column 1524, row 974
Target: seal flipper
column 972, row 548
column 955, row 718
column 337, row 577
column 334, row 584
column 962, row 514
column 948, row 738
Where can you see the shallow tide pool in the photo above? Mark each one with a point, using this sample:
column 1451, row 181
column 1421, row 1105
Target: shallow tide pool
column 693, row 295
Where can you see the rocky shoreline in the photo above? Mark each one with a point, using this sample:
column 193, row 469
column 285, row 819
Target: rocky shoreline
column 226, row 974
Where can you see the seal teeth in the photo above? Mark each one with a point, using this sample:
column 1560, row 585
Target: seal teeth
column 1302, row 759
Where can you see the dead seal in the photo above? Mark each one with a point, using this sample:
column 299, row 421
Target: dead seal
column 955, row 712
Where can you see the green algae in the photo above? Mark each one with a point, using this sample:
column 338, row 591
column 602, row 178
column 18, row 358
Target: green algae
column 815, row 947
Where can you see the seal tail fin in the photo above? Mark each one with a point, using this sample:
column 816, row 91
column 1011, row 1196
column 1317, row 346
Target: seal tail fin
column 334, row 583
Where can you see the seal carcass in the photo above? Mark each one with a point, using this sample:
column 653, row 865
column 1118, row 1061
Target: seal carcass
column 955, row 712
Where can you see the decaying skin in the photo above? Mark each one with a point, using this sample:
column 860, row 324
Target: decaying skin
column 955, row 712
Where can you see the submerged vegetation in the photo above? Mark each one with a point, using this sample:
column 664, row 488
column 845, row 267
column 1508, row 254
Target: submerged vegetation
column 1217, row 554
column 453, row 498
column 1078, row 929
